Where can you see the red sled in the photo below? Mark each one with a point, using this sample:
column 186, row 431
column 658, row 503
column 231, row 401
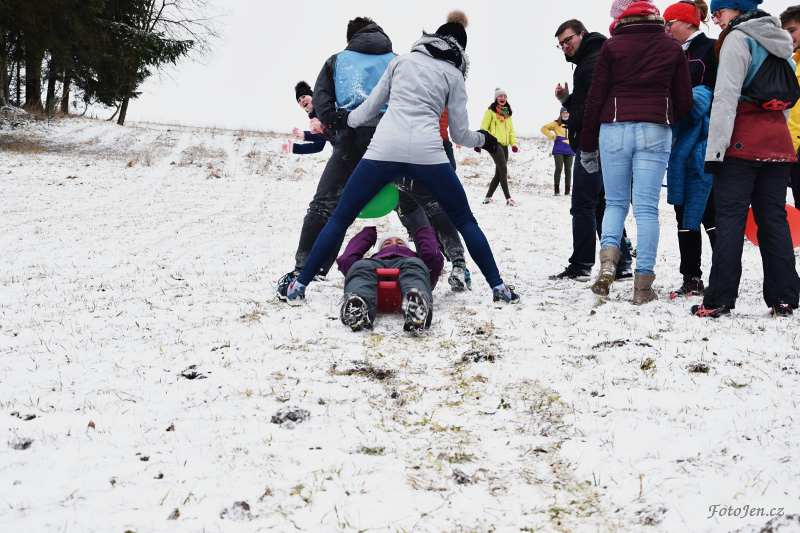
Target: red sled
column 389, row 298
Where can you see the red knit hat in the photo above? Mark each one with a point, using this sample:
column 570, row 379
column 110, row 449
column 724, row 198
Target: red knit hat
column 683, row 11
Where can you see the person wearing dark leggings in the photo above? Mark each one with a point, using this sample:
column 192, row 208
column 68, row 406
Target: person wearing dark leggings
column 407, row 144
column 497, row 121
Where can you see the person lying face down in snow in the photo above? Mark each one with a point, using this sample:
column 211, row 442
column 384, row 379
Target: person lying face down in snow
column 419, row 273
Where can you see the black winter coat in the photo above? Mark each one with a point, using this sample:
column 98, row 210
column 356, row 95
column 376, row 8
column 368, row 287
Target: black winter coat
column 584, row 62
column 702, row 61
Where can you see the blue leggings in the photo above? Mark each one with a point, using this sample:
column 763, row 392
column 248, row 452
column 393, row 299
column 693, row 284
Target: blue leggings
column 369, row 178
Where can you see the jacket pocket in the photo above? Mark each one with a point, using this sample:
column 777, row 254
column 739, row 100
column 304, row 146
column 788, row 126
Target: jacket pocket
column 655, row 138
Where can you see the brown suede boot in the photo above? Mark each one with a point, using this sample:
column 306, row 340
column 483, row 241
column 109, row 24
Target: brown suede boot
column 642, row 288
column 566, row 190
column 557, row 192
column 609, row 256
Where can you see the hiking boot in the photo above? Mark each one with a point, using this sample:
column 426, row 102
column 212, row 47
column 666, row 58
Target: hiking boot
column 459, row 277
column 643, row 289
column 566, row 190
column 569, row 274
column 693, row 287
column 710, row 311
column 782, row 310
column 505, row 293
column 609, row 257
column 487, row 200
column 354, row 312
column 511, row 202
column 556, row 192
column 417, row 310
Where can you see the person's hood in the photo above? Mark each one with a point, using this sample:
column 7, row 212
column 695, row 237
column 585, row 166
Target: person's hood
column 445, row 48
column 370, row 40
column 591, row 42
column 766, row 30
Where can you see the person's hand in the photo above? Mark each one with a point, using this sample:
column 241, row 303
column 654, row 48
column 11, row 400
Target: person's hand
column 288, row 147
column 590, row 161
column 459, row 146
column 562, row 92
column 549, row 155
column 489, row 142
column 298, row 134
column 316, row 127
column 514, row 149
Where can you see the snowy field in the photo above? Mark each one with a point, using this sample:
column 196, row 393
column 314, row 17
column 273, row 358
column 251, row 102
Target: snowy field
column 145, row 364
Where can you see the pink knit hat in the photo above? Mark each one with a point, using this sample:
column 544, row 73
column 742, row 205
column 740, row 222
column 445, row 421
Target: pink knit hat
column 619, row 6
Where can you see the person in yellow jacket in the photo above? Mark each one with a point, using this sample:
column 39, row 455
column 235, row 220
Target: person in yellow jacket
column 497, row 121
column 562, row 153
column 790, row 20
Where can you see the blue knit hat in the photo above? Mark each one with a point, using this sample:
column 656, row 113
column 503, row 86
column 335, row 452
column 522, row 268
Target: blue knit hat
column 563, row 109
column 741, row 5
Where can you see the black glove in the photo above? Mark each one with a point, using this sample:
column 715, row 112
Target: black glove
column 490, row 143
column 340, row 122
column 713, row 167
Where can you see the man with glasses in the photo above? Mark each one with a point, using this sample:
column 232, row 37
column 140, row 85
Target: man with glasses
column 588, row 195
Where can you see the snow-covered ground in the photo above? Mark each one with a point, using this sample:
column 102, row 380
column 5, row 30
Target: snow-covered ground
column 144, row 362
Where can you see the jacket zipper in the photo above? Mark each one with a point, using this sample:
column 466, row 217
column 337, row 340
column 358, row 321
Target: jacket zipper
column 615, row 109
column 668, row 110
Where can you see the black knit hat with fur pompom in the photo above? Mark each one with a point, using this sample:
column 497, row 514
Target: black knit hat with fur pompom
column 455, row 27
column 302, row 89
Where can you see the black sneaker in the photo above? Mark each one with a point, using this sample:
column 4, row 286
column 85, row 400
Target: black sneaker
column 570, row 274
column 710, row 312
column 694, row 287
column 623, row 274
column 460, row 279
column 781, row 310
column 283, row 283
column 354, row 312
column 417, row 310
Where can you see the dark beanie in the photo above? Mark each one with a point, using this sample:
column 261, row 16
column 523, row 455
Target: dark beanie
column 302, row 89
column 455, row 27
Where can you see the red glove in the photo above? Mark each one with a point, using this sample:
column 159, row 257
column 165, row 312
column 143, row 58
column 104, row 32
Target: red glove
column 477, row 149
column 514, row 149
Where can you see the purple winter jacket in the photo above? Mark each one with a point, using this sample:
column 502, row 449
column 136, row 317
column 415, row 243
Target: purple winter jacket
column 426, row 241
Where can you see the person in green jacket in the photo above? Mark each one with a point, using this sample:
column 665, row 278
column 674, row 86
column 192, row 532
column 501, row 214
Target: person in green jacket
column 497, row 121
column 562, row 153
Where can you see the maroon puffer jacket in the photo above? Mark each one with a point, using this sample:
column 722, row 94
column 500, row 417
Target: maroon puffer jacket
column 641, row 76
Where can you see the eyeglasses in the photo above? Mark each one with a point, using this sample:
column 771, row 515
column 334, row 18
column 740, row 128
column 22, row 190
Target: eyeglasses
column 566, row 41
column 669, row 23
column 717, row 14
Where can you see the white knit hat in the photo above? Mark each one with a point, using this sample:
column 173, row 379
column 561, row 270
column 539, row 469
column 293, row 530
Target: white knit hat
column 392, row 234
column 498, row 92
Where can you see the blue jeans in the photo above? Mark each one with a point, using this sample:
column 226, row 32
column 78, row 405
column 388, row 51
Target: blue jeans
column 587, row 209
column 370, row 177
column 634, row 156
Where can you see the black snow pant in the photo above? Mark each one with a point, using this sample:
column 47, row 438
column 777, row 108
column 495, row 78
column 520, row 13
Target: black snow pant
column 762, row 184
column 347, row 153
column 795, row 184
column 690, row 243
column 362, row 280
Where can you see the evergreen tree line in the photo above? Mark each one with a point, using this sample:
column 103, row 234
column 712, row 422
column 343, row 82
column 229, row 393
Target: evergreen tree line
column 97, row 51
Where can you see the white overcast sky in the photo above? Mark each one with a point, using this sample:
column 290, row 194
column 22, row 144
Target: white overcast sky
column 268, row 46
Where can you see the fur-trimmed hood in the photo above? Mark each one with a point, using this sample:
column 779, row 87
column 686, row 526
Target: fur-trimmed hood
column 445, row 48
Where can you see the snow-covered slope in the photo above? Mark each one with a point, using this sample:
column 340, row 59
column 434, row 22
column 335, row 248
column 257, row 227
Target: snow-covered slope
column 143, row 360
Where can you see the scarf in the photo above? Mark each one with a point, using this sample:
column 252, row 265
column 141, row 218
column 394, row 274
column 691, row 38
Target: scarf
column 747, row 15
column 502, row 113
column 443, row 47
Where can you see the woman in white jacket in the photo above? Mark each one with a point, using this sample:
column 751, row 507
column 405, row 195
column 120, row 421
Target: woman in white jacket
column 407, row 143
